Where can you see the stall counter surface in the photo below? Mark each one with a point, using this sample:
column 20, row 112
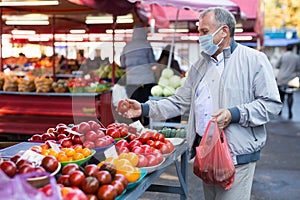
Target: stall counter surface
column 179, row 157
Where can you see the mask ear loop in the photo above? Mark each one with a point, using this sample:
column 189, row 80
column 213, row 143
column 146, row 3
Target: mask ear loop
column 217, row 32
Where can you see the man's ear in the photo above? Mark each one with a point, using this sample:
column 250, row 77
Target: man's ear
column 225, row 31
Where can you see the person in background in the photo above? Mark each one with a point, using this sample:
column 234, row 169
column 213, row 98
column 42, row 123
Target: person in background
column 289, row 68
column 162, row 63
column 138, row 58
column 80, row 59
column 233, row 84
column 20, row 62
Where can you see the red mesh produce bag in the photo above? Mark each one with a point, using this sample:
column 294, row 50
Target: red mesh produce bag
column 213, row 162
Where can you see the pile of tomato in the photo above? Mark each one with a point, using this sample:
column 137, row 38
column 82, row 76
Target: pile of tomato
column 97, row 183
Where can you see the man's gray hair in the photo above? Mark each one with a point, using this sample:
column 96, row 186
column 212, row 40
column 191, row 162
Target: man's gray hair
column 222, row 16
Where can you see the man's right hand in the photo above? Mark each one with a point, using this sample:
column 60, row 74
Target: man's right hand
column 129, row 108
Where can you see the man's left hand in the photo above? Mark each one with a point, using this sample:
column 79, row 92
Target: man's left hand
column 223, row 118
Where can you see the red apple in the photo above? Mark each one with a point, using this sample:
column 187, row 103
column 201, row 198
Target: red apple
column 94, row 125
column 100, row 133
column 143, row 161
column 84, row 127
column 91, row 135
column 89, row 144
column 66, row 142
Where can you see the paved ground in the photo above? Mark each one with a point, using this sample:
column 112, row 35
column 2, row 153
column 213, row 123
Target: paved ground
column 277, row 176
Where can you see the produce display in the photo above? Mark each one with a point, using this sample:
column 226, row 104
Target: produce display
column 105, row 72
column 99, row 183
column 29, row 83
column 167, row 84
column 43, row 84
column 10, row 83
column 1, row 80
column 60, row 86
column 18, row 165
column 26, row 84
column 173, row 133
column 61, row 146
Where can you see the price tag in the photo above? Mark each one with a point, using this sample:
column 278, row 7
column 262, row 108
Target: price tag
column 33, row 157
column 138, row 125
column 111, row 152
column 54, row 146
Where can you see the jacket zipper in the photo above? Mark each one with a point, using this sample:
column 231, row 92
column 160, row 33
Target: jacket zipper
column 255, row 139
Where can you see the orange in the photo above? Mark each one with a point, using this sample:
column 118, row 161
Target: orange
column 62, row 157
column 53, row 153
column 70, row 152
column 78, row 156
column 132, row 157
column 86, row 152
column 45, row 152
column 78, row 149
column 122, row 162
column 131, row 173
column 44, row 146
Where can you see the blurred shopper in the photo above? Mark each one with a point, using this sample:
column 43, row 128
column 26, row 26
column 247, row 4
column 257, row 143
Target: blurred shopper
column 138, row 58
column 231, row 82
column 162, row 63
column 289, row 68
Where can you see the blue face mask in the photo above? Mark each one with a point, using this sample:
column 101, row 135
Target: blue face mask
column 207, row 42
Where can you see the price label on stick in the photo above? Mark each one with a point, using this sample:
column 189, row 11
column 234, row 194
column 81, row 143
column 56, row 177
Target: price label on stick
column 33, row 157
column 111, row 152
column 54, row 146
column 138, row 125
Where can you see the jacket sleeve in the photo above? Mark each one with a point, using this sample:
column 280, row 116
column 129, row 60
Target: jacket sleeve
column 266, row 103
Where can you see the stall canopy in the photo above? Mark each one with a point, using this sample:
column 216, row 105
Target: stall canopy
column 162, row 11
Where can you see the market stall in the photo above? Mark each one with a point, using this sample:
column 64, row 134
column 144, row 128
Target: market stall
column 100, row 157
column 28, row 113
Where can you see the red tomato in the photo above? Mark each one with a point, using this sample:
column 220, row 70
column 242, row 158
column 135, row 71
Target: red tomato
column 91, row 170
column 9, row 168
column 143, row 161
column 75, row 194
column 170, row 145
column 107, row 192
column 123, row 150
column 152, row 161
column 76, row 178
column 163, row 148
column 90, row 185
column 113, row 132
column 134, row 143
column 69, row 168
column 123, row 106
column 104, row 177
column 137, row 150
column 49, row 163
column 151, row 143
column 122, row 178
column 123, row 131
column 64, row 179
column 121, row 143
column 118, row 185
column 144, row 137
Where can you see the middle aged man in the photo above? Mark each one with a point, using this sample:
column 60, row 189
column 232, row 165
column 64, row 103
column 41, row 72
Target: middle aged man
column 231, row 82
